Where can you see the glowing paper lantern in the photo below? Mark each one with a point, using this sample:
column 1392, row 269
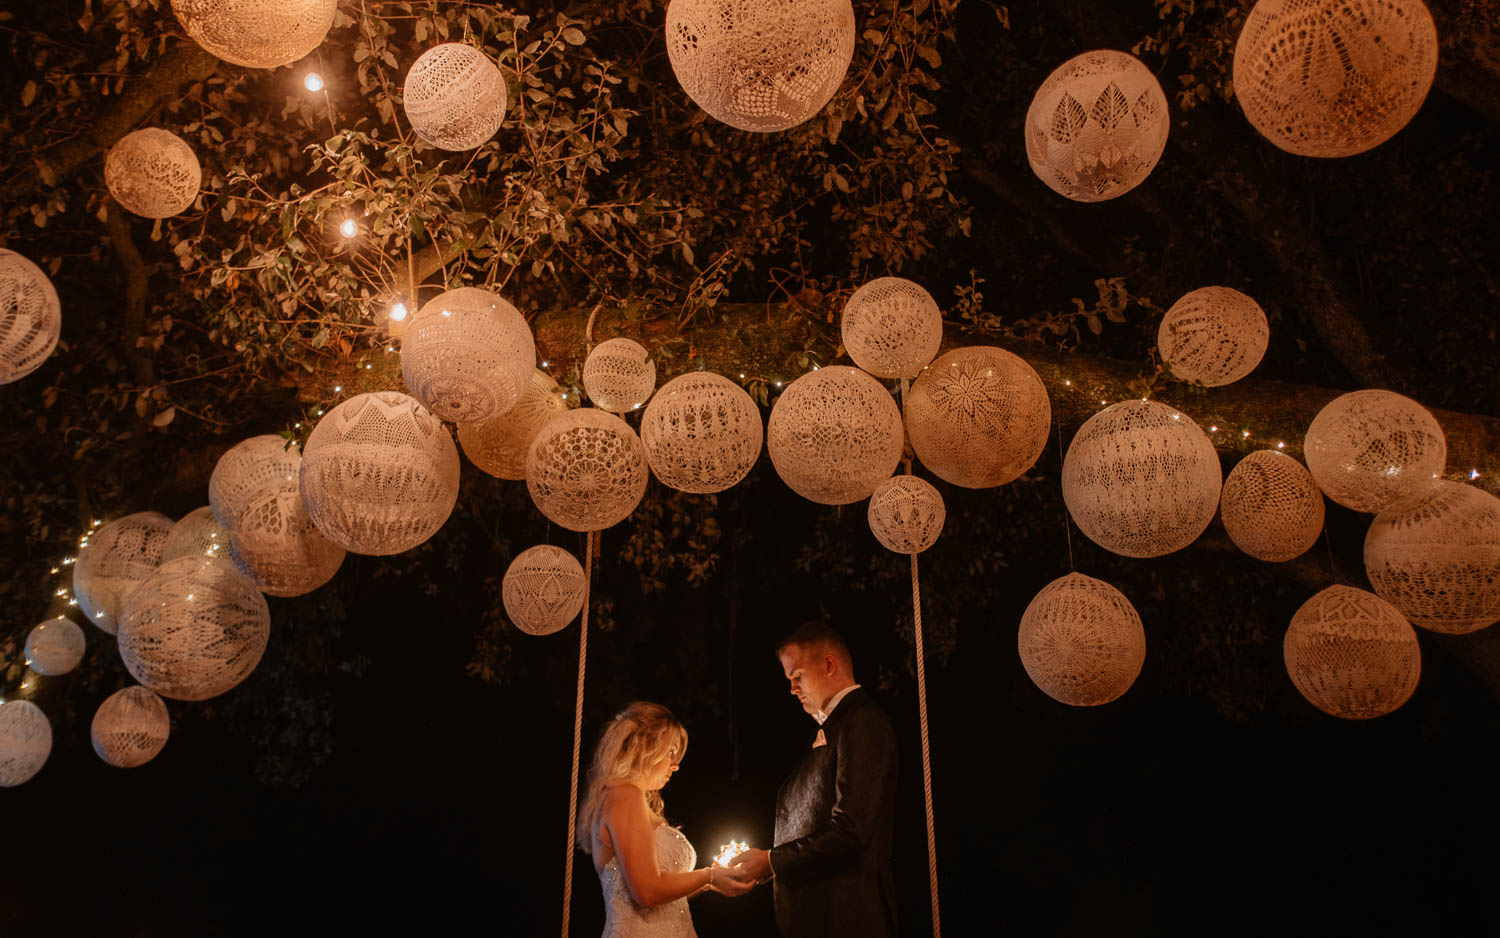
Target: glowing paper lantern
column 55, row 647
column 198, row 534
column 468, row 355
column 25, row 741
column 1097, row 126
column 30, row 317
column 256, row 33
column 117, row 558
column 702, row 433
column 249, row 466
column 454, row 97
column 1141, row 479
column 1213, row 336
column 1334, row 77
column 499, row 444
column 130, row 727
column 586, row 470
column 1270, row 506
column 1081, row 641
column 1369, row 450
column 1437, row 558
column 1351, row 654
column 543, row 589
column 152, row 172
column 892, row 328
column 379, row 474
column 978, row 417
column 277, row 546
column 906, row 514
column 619, row 375
column 761, row 65
column 835, row 435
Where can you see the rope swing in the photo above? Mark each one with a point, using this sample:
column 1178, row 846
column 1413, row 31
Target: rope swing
column 583, row 654
column 932, row 876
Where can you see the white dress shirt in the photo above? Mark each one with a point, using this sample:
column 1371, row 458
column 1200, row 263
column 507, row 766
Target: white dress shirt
column 822, row 715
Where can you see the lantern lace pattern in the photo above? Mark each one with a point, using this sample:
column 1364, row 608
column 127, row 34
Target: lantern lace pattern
column 249, row 466
column 153, row 173
column 619, row 375
column 276, row 545
column 118, row 558
column 1097, row 126
column 468, row 355
column 454, row 97
column 256, row 33
column 379, row 474
column 30, row 317
column 1213, row 336
column 760, row 65
column 543, row 589
column 835, row 435
column 1081, row 641
column 586, row 470
column 978, row 417
column 198, row 534
column 892, row 327
column 1370, row 450
column 499, row 444
column 1141, row 479
column 1334, row 77
column 1351, row 654
column 702, row 433
column 130, row 727
column 1437, row 559
column 55, row 647
column 1270, row 506
column 25, row 741
column 906, row 514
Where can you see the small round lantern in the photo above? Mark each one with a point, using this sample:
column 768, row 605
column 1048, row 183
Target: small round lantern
column 543, row 589
column 130, row 727
column 499, row 444
column 1213, row 336
column 25, row 741
column 619, row 375
column 1351, row 654
column 30, row 317
column 1369, row 450
column 198, row 534
column 117, row 558
column 1271, row 507
column 152, row 172
column 586, row 470
column 906, row 514
column 702, row 433
column 454, row 97
column 835, row 435
column 277, row 546
column 245, row 469
column 256, row 33
column 1081, row 641
column 55, row 647
column 468, row 355
column 892, row 328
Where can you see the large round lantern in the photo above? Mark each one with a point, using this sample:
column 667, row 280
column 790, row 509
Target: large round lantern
column 55, row 647
column 379, row 474
column 1081, row 641
column 619, row 375
column 978, row 417
column 1351, row 654
column 906, row 514
column 197, row 534
column 25, row 741
column 1097, row 126
column 130, row 727
column 543, row 589
column 892, row 327
column 277, row 546
column 499, row 444
column 702, row 433
column 835, row 435
column 454, row 97
column 1331, row 77
column 116, row 559
column 152, row 172
column 468, row 355
column 1369, row 450
column 760, row 65
column 249, row 466
column 1437, row 558
column 1270, row 506
column 1141, row 479
column 586, row 470
column 30, row 317
column 256, row 33
column 1213, row 336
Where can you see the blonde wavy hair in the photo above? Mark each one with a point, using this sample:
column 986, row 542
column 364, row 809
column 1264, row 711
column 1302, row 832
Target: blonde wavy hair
column 634, row 741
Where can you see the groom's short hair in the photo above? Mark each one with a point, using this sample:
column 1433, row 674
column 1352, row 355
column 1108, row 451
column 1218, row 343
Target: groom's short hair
column 815, row 635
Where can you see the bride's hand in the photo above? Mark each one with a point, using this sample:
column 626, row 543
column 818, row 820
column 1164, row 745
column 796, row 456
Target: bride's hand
column 730, row 881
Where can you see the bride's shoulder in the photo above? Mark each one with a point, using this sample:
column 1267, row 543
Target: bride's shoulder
column 621, row 794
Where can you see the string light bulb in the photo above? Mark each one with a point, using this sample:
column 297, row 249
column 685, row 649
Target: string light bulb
column 348, row 229
column 313, row 81
column 398, row 313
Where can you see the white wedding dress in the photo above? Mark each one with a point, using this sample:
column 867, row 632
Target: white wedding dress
column 624, row 919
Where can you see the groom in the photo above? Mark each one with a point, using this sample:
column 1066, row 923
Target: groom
column 834, row 815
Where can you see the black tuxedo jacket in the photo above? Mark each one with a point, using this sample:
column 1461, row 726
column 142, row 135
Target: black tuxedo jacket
column 834, row 821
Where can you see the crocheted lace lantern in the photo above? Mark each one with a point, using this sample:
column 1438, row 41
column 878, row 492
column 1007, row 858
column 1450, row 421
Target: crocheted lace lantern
column 1334, row 77
column 117, row 558
column 277, row 546
column 198, row 534
column 543, row 589
column 152, row 172
column 1351, row 654
column 130, row 727
column 55, row 647
column 30, row 317
column 1437, row 559
column 1213, row 336
column 586, row 470
column 499, row 444
column 1097, row 126
column 1081, row 641
column 1369, row 450
column 256, row 33
column 835, row 435
column 906, row 514
column 1141, row 479
column 702, row 433
column 892, row 327
column 1270, row 506
column 761, row 65
column 25, row 741
column 454, row 97
column 619, row 375
column 978, row 417
column 468, row 355
column 194, row 630
column 379, row 474
column 249, row 466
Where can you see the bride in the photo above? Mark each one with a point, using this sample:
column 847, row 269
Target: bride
column 645, row 866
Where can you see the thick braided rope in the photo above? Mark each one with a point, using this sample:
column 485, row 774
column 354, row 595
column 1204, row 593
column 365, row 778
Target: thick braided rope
column 932, row 877
column 583, row 655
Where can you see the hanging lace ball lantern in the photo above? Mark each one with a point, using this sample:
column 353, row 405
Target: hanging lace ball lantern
column 1213, row 336
column 30, row 317
column 1141, row 479
column 760, row 65
column 1097, row 126
column 892, row 328
column 499, row 444
column 25, row 742
column 276, row 545
column 153, row 173
column 454, row 97
column 543, row 589
column 256, row 33
column 906, row 514
column 978, row 417
column 1351, row 654
column 245, row 469
column 379, row 474
column 619, row 375
column 586, row 470
column 1081, row 641
column 1271, row 507
column 55, row 647
column 117, row 558
column 702, row 433
column 130, row 727
column 835, row 435
column 1334, row 77
column 468, row 355
column 197, row 534
column 1369, row 450
column 1437, row 558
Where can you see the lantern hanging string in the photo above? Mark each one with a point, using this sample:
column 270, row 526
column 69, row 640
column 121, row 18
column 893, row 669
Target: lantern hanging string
column 1067, row 521
column 583, row 653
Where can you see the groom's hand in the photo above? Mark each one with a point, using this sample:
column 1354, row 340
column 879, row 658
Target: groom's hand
column 755, row 863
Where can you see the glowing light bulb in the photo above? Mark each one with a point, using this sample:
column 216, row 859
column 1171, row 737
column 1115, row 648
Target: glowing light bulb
column 348, row 229
column 1473, row 474
column 338, row 389
column 398, row 313
column 313, row 81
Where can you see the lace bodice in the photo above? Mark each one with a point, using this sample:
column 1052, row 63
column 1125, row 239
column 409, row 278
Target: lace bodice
column 624, row 919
